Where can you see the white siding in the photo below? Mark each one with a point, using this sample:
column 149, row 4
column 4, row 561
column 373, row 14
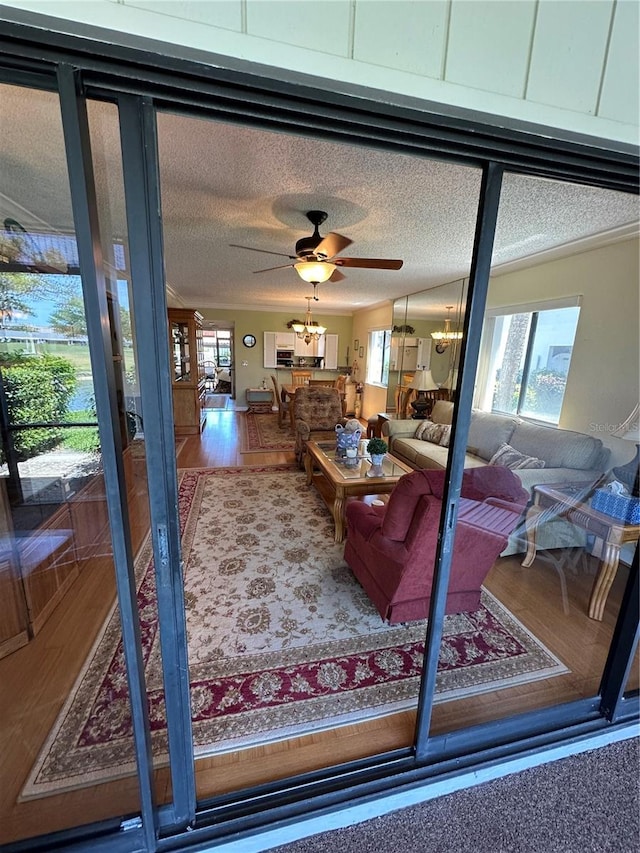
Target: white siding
column 570, row 64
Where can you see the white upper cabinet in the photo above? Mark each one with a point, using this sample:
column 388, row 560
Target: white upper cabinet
column 285, row 340
column 270, row 349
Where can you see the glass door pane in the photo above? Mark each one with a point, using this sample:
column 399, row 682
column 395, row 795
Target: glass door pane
column 65, row 711
column 542, row 536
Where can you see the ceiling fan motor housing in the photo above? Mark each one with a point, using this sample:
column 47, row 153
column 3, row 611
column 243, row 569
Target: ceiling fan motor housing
column 306, row 246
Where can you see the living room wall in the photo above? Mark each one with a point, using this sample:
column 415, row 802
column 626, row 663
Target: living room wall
column 604, row 377
column 380, row 316
column 257, row 322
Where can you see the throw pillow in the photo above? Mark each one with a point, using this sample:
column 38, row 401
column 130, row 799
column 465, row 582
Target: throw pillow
column 428, row 431
column 422, row 426
column 509, row 457
column 446, row 435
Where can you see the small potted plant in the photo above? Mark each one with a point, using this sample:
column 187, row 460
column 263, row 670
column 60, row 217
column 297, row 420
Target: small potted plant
column 377, row 448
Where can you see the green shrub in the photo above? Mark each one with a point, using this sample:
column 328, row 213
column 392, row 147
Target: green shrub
column 38, row 390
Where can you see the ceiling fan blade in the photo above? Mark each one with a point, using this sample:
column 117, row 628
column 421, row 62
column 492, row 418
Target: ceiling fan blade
column 264, row 251
column 336, row 276
column 332, row 244
column 268, row 269
column 369, row 263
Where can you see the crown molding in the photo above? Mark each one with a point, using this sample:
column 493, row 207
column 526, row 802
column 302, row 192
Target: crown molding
column 575, row 247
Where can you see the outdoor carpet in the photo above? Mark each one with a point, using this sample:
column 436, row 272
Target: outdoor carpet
column 282, row 639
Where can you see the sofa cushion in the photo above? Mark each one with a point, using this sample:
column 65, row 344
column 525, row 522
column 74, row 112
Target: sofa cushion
column 487, row 431
column 510, row 458
column 560, row 448
column 442, row 412
column 423, row 454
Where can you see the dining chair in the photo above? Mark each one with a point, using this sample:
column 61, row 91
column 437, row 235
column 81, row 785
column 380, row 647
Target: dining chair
column 404, row 396
column 283, row 405
column 300, row 377
column 323, row 383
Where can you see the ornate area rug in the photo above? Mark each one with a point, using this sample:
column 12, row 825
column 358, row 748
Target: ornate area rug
column 282, row 639
column 261, row 433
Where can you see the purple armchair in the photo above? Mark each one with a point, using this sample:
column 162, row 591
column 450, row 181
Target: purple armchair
column 391, row 549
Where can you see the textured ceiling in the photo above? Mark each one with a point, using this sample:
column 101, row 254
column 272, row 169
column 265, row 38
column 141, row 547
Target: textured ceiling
column 225, row 184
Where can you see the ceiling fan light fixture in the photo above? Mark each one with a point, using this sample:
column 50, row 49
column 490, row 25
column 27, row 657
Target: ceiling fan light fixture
column 315, row 271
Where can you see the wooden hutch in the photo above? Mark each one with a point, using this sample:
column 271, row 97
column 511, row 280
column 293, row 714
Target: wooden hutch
column 188, row 380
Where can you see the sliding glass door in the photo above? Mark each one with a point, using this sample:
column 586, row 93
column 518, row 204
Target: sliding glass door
column 154, row 620
column 66, row 704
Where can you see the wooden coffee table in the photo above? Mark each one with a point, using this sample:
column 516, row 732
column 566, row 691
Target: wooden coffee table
column 336, row 482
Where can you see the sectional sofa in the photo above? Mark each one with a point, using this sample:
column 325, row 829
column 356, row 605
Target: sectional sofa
column 537, row 454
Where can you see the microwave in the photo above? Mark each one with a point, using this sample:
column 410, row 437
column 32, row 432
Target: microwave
column 284, row 357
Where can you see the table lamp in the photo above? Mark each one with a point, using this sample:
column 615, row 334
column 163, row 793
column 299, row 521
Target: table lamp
column 422, row 382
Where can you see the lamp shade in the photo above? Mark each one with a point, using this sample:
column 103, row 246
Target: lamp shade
column 315, row 271
column 423, row 381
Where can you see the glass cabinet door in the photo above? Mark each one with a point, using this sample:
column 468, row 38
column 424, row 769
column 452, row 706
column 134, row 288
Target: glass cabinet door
column 181, row 351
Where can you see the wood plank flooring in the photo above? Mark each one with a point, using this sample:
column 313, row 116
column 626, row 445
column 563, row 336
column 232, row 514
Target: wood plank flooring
column 35, row 680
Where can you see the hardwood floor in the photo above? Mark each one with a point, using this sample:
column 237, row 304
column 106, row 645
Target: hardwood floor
column 36, row 679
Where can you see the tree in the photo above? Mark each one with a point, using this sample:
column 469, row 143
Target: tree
column 14, row 290
column 510, row 378
column 70, row 318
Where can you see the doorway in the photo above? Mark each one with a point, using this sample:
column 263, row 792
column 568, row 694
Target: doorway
column 218, row 345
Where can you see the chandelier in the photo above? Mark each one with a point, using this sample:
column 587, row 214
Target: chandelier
column 445, row 337
column 309, row 330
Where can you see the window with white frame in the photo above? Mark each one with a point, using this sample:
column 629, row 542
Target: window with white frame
column 378, row 357
column 526, row 353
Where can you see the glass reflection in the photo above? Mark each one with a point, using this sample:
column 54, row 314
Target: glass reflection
column 545, row 414
column 56, row 567
column 413, row 348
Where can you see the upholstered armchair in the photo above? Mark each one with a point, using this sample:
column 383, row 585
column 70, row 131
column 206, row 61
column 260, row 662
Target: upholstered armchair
column 391, row 549
column 316, row 411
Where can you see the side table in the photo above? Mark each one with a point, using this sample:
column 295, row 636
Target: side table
column 565, row 501
column 259, row 399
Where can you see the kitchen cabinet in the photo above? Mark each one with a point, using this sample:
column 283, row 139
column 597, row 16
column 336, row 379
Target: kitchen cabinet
column 330, row 352
column 285, row 340
column 326, row 347
column 409, row 354
column 423, row 360
column 270, row 349
column 188, row 381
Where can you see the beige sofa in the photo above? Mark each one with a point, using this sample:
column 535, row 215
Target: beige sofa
column 568, row 457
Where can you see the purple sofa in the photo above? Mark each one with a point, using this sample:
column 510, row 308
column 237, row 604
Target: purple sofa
column 391, row 549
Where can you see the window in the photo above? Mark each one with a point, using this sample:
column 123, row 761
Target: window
column 378, row 357
column 217, row 347
column 528, row 355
